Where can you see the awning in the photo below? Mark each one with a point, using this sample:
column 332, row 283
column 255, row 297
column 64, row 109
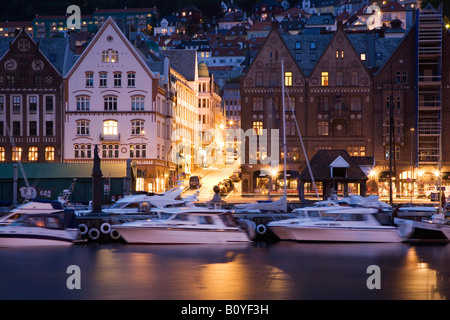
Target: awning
column 62, row 170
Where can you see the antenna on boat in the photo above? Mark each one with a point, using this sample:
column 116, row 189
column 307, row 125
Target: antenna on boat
column 284, row 124
column 303, row 147
column 19, row 161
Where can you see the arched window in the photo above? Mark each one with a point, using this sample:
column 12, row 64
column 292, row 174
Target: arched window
column 83, row 127
column 83, row 103
column 110, row 103
column 110, row 127
column 137, row 103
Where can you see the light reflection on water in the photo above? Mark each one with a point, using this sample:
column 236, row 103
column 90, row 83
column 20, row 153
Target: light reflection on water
column 280, row 271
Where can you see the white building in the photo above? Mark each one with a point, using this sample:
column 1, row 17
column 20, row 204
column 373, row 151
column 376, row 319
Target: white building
column 114, row 100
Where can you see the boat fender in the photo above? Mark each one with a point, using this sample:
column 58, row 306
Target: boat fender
column 261, row 229
column 83, row 228
column 249, row 227
column 114, row 234
column 105, row 228
column 94, row 234
column 406, row 228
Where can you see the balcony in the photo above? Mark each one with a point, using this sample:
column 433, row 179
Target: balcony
column 430, row 80
column 429, row 128
column 110, row 137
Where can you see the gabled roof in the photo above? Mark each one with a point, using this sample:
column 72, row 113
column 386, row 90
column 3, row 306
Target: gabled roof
column 55, row 50
column 305, row 63
column 321, row 161
column 392, row 6
column 135, row 53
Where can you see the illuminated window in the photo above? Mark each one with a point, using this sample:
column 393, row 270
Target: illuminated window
column 16, row 154
column 110, row 56
column 288, row 79
column 363, row 56
column 322, row 128
column 49, row 153
column 33, row 154
column 356, row 151
column 2, row 154
column 324, row 81
column 110, row 127
column 258, row 127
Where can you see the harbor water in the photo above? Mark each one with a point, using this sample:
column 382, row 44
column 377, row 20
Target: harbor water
column 256, row 271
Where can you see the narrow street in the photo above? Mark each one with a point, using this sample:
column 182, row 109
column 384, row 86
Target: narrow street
column 211, row 176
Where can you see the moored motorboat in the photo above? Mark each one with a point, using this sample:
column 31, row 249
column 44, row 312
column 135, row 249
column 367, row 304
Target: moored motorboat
column 45, row 229
column 432, row 228
column 185, row 226
column 35, row 206
column 352, row 224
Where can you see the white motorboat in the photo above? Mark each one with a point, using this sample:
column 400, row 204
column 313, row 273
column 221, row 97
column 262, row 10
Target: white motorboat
column 446, row 230
column 185, row 226
column 429, row 228
column 144, row 202
column 45, row 229
column 351, row 224
column 35, row 206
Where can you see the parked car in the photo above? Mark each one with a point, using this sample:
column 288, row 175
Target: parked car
column 235, row 176
column 195, row 182
column 433, row 192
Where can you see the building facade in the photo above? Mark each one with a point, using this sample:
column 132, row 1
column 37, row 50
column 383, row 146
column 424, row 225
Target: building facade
column 114, row 100
column 339, row 88
column 31, row 100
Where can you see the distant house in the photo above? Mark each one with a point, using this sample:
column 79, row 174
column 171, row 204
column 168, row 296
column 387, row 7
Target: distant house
column 167, row 26
column 321, row 21
column 190, row 12
column 227, row 57
column 266, row 9
column 12, row 28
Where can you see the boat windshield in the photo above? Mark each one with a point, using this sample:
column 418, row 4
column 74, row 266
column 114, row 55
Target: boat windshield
column 342, row 216
column 228, row 220
column 118, row 205
column 51, row 222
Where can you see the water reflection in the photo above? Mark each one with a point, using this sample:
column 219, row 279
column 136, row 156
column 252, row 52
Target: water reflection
column 284, row 270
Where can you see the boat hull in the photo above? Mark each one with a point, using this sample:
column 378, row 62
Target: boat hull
column 156, row 235
column 29, row 237
column 336, row 234
column 446, row 231
column 423, row 230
